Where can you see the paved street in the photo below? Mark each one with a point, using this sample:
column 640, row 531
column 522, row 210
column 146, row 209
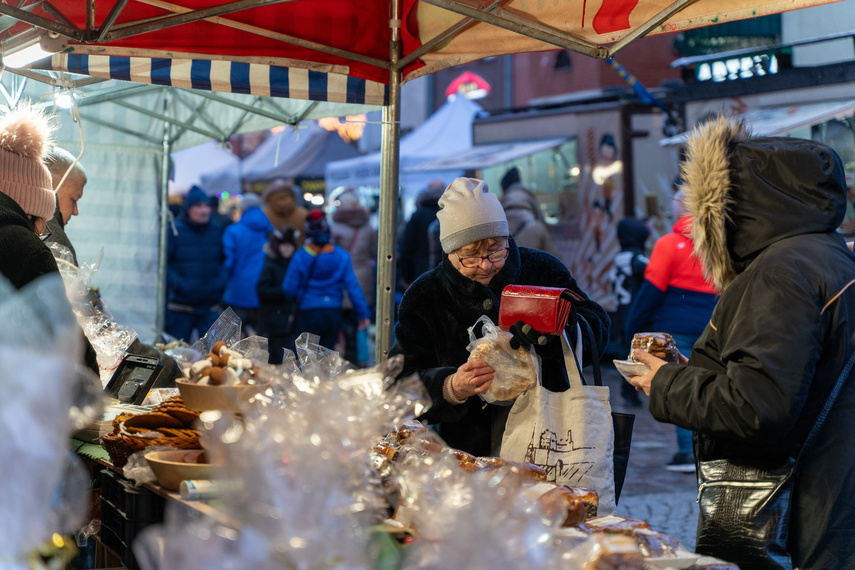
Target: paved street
column 664, row 499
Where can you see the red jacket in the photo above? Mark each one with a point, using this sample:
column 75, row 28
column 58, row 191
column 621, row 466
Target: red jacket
column 675, row 297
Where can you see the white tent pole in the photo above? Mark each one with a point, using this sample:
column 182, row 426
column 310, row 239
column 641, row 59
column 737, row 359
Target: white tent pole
column 160, row 309
column 389, row 195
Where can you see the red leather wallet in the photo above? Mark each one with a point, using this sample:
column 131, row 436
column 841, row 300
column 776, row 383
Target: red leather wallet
column 546, row 309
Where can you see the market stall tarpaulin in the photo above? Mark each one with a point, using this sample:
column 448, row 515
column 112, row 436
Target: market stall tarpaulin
column 352, row 39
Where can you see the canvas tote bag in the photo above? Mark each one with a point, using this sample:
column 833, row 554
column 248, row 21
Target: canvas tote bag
column 569, row 434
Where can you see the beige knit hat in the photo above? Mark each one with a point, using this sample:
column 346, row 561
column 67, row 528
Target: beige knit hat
column 469, row 212
column 24, row 136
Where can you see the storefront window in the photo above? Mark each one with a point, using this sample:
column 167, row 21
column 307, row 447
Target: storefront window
column 548, row 174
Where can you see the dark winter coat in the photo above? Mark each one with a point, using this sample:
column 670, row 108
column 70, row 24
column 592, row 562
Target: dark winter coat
column 414, row 258
column 273, row 306
column 432, row 335
column 26, row 258
column 24, row 255
column 195, row 275
column 243, row 245
column 766, row 210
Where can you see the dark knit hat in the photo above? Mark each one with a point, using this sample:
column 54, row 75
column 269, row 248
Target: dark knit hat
column 195, row 197
column 510, row 178
column 317, row 229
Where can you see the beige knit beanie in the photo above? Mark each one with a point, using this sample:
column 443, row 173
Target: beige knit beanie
column 24, row 135
column 469, row 212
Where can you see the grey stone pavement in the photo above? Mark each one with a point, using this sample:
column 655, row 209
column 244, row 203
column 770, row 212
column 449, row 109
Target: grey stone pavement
column 666, row 500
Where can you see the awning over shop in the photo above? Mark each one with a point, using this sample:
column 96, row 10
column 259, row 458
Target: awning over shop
column 484, row 156
column 777, row 121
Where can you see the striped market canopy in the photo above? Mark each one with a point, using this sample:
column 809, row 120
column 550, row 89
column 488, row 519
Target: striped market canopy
column 226, row 76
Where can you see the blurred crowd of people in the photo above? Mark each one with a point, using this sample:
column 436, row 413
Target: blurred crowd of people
column 282, row 268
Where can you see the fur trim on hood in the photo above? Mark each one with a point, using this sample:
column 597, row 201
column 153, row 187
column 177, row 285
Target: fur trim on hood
column 706, row 188
column 747, row 193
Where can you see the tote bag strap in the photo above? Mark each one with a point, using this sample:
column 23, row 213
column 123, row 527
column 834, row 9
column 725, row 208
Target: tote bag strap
column 572, row 359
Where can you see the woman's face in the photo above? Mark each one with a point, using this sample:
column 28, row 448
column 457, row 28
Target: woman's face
column 485, row 270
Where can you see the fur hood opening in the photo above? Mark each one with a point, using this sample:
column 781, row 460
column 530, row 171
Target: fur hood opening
column 745, row 193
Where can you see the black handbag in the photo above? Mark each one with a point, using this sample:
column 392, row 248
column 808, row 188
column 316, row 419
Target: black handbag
column 622, row 423
column 745, row 508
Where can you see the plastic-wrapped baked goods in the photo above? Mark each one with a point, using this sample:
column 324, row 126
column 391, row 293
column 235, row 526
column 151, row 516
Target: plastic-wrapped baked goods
column 558, row 501
column 611, row 552
column 515, row 371
column 516, row 368
column 616, row 524
column 660, row 345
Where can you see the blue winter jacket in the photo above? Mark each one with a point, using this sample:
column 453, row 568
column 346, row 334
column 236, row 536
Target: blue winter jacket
column 243, row 244
column 194, row 263
column 331, row 276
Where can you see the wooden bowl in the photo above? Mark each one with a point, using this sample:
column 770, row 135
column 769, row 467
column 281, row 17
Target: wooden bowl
column 172, row 467
column 201, row 397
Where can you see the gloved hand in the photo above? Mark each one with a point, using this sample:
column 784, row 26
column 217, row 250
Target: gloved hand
column 525, row 336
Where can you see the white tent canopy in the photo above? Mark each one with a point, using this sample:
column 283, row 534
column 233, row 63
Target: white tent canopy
column 483, row 156
column 777, row 121
column 191, row 167
column 448, row 130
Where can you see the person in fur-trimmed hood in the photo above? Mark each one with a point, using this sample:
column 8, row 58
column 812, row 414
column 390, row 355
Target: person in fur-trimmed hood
column 480, row 260
column 765, row 213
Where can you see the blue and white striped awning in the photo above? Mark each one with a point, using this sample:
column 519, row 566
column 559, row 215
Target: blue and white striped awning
column 225, row 76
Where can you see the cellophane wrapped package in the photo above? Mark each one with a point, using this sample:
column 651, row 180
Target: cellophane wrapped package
column 44, row 396
column 109, row 339
column 300, row 489
column 517, row 369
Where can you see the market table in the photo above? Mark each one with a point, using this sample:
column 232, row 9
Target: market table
column 127, row 508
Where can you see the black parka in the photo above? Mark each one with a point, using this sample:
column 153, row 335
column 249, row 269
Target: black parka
column 431, row 333
column 766, row 210
column 24, row 257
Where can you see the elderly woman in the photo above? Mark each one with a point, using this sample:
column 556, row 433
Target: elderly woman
column 480, row 260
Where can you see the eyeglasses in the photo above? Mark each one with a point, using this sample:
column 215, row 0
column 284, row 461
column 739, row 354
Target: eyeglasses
column 471, row 262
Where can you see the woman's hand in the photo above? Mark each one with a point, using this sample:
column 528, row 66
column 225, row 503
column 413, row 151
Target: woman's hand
column 363, row 324
column 642, row 383
column 473, row 377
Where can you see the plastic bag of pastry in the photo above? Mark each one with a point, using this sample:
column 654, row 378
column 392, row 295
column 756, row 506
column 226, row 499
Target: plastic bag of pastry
column 309, row 494
column 615, row 524
column 474, row 520
column 609, row 552
column 517, row 370
column 660, row 345
column 44, row 487
column 225, row 329
column 109, row 339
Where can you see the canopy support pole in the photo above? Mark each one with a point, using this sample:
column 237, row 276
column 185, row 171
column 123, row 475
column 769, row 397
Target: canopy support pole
column 160, row 308
column 387, row 241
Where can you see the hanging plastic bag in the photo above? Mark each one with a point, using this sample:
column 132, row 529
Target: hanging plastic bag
column 517, row 369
